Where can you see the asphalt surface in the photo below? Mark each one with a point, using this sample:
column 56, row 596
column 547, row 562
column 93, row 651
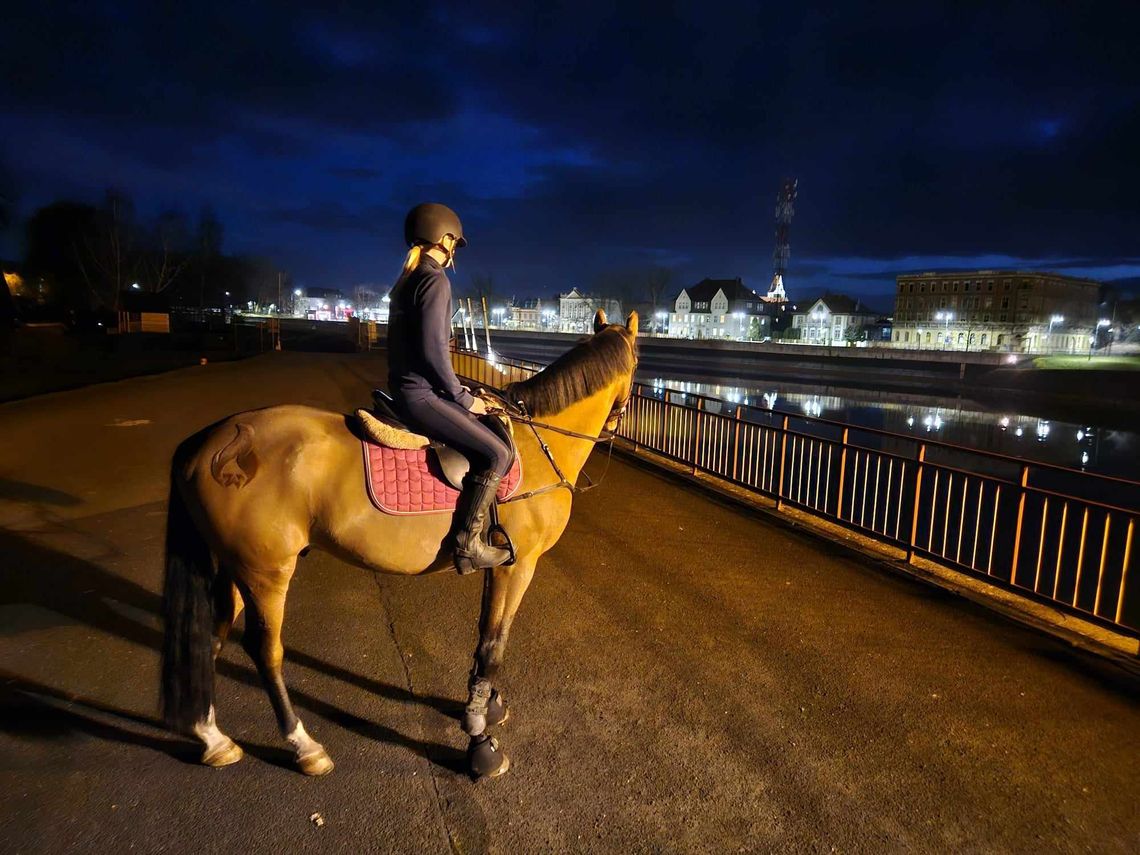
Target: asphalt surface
column 682, row 677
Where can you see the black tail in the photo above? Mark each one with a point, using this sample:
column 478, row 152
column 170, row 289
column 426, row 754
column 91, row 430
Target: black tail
column 188, row 610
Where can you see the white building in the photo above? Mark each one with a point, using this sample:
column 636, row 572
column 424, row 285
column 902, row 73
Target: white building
column 721, row 309
column 529, row 315
column 576, row 311
column 832, row 319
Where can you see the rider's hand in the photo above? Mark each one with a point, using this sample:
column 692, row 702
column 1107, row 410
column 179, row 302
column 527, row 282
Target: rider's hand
column 478, row 407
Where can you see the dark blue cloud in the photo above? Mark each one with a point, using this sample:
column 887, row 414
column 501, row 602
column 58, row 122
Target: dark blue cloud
column 590, row 137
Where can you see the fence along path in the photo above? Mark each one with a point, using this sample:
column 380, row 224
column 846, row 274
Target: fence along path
column 1048, row 533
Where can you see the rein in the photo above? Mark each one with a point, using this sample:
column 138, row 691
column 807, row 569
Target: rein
column 517, row 413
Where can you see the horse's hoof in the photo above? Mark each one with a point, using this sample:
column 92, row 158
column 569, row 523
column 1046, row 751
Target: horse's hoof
column 485, row 759
column 225, row 754
column 497, row 710
column 315, row 763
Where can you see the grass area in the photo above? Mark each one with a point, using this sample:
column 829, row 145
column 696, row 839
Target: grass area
column 1098, row 362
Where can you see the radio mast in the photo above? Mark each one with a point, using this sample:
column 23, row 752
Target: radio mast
column 785, row 209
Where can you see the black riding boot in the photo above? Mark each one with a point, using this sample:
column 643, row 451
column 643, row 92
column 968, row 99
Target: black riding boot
column 472, row 551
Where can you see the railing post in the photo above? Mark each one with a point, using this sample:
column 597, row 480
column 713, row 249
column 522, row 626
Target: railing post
column 1017, row 531
column 842, row 477
column 735, row 442
column 696, row 433
column 783, row 455
column 917, row 496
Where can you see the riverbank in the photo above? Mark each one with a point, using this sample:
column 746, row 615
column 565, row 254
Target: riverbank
column 1109, row 388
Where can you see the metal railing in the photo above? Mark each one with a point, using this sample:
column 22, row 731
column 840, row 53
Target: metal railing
column 1053, row 534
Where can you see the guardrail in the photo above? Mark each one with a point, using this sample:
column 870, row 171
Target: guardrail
column 1056, row 535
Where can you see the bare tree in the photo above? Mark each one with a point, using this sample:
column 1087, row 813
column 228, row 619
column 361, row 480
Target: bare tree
column 105, row 254
column 169, row 252
column 657, row 280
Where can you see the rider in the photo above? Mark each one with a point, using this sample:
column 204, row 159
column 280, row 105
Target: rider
column 426, row 391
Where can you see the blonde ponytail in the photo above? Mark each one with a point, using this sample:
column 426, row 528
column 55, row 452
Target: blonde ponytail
column 411, row 261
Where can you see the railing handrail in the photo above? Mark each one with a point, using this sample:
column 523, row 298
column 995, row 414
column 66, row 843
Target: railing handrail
column 937, row 443
column 1071, row 552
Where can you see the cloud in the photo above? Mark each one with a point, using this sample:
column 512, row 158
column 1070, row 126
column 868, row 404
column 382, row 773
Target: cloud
column 577, row 140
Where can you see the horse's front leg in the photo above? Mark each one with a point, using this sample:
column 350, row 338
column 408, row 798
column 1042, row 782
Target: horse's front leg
column 503, row 589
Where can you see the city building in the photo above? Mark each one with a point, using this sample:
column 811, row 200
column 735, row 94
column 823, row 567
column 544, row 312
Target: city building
column 719, row 308
column 576, row 310
column 322, row 304
column 528, row 315
column 832, row 319
column 1013, row 311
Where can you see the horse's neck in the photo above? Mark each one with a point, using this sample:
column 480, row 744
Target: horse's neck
column 587, row 416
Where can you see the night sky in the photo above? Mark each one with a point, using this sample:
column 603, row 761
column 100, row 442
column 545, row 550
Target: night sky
column 573, row 139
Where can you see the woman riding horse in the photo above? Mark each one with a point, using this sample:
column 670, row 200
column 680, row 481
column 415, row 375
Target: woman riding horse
column 254, row 492
column 426, row 391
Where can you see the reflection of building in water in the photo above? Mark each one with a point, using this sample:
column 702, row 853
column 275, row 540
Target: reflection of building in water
column 1029, row 436
column 1003, row 310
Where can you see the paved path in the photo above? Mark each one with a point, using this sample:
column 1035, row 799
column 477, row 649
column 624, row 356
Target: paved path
column 683, row 677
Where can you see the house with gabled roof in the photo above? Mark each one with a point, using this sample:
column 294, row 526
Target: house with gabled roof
column 720, row 309
column 831, row 319
column 576, row 310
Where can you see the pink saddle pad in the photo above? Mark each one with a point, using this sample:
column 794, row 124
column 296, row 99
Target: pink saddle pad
column 403, row 481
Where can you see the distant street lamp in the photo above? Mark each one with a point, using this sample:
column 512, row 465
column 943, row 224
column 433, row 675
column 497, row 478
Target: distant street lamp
column 1054, row 319
column 738, row 317
column 1096, row 334
column 946, row 317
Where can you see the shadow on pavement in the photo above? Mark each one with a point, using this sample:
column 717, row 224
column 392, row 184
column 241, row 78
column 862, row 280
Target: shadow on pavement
column 21, row 491
column 83, row 592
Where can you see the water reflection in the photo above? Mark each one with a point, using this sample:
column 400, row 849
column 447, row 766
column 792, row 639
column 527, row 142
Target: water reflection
column 1033, row 436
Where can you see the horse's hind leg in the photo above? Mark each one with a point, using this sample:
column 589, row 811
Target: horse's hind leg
column 264, row 594
column 218, row 749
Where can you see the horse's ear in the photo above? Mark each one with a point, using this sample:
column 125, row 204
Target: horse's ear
column 599, row 320
column 631, row 323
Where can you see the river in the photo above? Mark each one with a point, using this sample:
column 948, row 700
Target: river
column 1035, row 435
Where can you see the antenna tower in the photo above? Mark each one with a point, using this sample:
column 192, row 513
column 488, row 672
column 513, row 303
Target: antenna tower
column 785, row 209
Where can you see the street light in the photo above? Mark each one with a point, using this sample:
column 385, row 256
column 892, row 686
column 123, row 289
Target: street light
column 947, row 317
column 1054, row 319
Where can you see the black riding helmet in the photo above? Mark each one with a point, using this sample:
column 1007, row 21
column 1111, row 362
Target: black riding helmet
column 429, row 222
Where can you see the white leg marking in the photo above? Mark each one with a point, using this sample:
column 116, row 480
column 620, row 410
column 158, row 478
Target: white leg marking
column 208, row 732
column 311, row 756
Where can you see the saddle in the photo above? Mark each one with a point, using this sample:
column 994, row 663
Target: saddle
column 385, row 427
column 408, row 473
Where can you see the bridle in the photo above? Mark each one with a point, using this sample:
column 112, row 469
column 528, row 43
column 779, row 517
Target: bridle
column 517, row 413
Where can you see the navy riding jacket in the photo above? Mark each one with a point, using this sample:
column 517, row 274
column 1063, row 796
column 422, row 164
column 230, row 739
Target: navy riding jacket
column 419, row 335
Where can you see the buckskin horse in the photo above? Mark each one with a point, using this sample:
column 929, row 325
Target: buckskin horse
column 293, row 479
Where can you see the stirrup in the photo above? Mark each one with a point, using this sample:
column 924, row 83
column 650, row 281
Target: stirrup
column 468, row 562
column 497, row 535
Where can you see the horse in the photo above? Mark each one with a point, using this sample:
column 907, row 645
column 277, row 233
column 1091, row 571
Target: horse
column 252, row 493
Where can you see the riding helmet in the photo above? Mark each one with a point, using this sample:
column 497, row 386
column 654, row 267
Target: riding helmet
column 429, row 222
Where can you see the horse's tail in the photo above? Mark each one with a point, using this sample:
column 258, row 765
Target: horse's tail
column 188, row 609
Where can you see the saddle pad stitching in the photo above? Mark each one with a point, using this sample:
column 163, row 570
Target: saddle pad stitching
column 420, row 475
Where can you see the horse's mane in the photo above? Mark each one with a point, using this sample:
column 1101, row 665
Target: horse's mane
column 588, row 367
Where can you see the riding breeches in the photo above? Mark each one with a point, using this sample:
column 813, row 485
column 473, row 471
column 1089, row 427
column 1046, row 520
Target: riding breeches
column 450, row 423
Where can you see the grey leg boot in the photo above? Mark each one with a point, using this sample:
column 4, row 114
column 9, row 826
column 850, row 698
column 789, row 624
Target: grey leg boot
column 472, row 551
